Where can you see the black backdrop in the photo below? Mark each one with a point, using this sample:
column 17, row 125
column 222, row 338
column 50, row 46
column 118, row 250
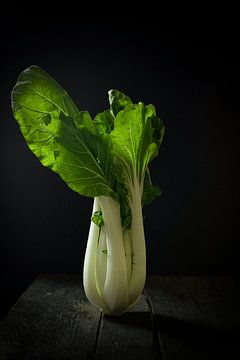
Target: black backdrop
column 192, row 78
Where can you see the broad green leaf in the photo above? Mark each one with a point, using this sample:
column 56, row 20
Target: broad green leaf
column 127, row 133
column 63, row 138
column 84, row 161
column 39, row 130
column 38, row 101
column 38, row 91
column 132, row 138
column 118, row 101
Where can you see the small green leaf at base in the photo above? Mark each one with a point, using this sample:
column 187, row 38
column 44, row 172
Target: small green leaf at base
column 97, row 218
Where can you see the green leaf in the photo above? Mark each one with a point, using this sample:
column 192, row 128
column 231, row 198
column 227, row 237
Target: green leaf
column 37, row 102
column 127, row 133
column 104, row 122
column 38, row 130
column 97, row 218
column 118, row 101
column 150, row 192
column 63, row 138
column 83, row 118
column 158, row 130
column 123, row 199
column 84, row 161
column 38, row 91
column 132, row 138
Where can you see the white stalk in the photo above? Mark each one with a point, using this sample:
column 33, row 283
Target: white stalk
column 128, row 251
column 138, row 275
column 115, row 260
column 101, row 268
column 116, row 284
column 89, row 270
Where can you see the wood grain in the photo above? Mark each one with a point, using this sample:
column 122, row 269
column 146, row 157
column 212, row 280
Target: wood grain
column 52, row 320
column 218, row 300
column 126, row 336
column 177, row 318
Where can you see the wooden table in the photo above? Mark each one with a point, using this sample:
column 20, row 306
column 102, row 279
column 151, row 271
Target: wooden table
column 177, row 318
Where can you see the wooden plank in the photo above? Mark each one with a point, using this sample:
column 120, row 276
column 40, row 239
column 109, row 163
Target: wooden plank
column 52, row 320
column 218, row 299
column 193, row 318
column 180, row 325
column 129, row 336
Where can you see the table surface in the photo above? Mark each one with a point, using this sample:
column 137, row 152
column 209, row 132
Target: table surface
column 177, row 318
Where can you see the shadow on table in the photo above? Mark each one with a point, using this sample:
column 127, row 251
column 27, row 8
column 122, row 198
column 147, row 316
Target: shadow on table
column 136, row 319
column 171, row 332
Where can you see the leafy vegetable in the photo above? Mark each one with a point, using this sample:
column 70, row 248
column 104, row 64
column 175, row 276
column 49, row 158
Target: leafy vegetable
column 105, row 158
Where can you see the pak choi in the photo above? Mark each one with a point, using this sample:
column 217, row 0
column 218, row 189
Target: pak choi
column 105, row 158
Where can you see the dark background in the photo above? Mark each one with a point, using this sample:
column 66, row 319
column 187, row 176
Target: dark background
column 192, row 78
